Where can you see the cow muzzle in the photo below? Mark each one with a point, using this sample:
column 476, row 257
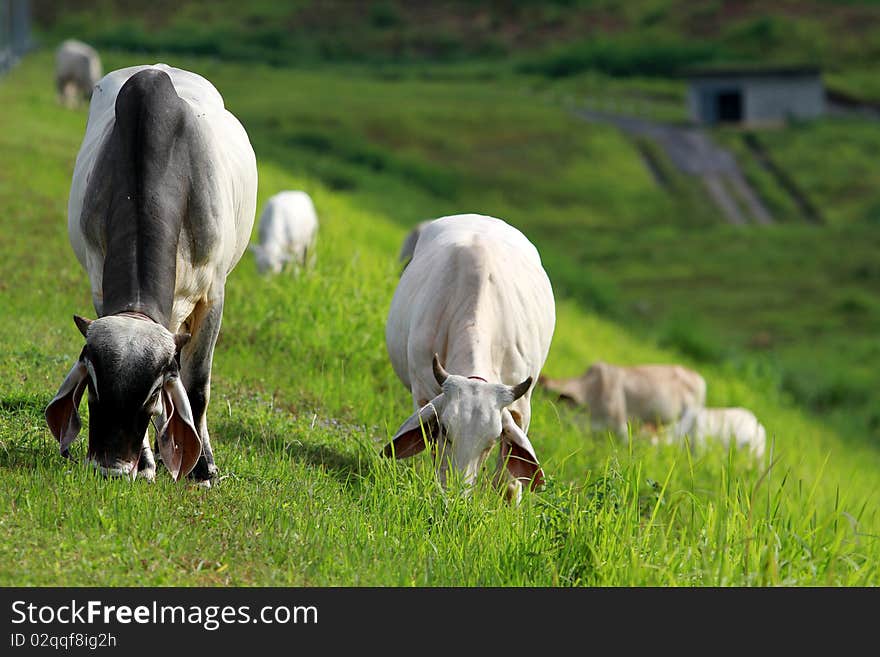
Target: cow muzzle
column 115, row 468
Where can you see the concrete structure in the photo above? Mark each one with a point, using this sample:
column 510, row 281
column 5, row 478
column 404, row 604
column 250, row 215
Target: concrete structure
column 755, row 96
column 15, row 31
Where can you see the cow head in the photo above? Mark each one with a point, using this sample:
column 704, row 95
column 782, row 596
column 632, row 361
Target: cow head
column 269, row 260
column 566, row 390
column 130, row 368
column 463, row 423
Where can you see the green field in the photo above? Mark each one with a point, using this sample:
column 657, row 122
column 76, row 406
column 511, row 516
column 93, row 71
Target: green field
column 304, row 395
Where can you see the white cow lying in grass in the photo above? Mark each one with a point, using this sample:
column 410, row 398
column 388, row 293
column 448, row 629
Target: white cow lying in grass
column 476, row 299
column 615, row 395
column 738, row 425
column 288, row 232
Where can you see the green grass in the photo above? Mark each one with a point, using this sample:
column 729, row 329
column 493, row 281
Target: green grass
column 860, row 83
column 847, row 190
column 304, row 395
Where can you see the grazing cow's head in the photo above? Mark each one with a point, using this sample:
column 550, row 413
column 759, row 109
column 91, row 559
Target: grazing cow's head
column 269, row 259
column 463, row 423
column 130, row 367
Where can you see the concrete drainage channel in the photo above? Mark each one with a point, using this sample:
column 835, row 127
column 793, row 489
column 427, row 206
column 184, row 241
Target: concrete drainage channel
column 808, row 210
column 693, row 152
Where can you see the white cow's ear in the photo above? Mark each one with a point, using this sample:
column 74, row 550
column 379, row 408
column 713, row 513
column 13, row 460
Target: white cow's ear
column 179, row 442
column 419, row 428
column 508, row 394
column 62, row 413
column 517, row 453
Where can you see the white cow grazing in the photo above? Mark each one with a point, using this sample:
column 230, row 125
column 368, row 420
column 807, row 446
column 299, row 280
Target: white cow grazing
column 288, row 232
column 738, row 425
column 77, row 70
column 475, row 298
column 614, row 395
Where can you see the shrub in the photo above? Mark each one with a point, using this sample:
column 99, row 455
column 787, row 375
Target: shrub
column 620, row 57
column 690, row 337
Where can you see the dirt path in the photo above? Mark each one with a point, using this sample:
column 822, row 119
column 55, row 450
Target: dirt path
column 694, row 152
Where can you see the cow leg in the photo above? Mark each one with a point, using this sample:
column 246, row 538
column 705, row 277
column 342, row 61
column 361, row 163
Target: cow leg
column 195, row 371
column 146, row 463
column 505, row 482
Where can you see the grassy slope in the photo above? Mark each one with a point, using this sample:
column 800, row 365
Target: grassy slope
column 304, row 394
column 470, row 133
column 658, row 261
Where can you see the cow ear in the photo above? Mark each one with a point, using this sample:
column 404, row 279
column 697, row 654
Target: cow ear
column 517, row 453
column 179, row 442
column 82, row 324
column 414, row 434
column 62, row 413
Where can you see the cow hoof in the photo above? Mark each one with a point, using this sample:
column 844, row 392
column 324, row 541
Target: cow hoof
column 203, row 471
column 148, row 473
column 202, row 483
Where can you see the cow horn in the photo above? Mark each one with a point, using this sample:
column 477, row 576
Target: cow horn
column 521, row 388
column 439, row 373
column 82, row 324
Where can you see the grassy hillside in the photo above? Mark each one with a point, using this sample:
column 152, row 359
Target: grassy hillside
column 660, row 261
column 559, row 37
column 457, row 104
column 304, row 394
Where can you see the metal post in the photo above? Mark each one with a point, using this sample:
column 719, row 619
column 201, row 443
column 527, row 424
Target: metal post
column 15, row 31
column 5, row 35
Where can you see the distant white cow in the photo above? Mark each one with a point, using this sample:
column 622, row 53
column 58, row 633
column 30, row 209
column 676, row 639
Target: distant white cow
column 288, row 232
column 476, row 299
column 726, row 425
column 77, row 70
column 656, row 394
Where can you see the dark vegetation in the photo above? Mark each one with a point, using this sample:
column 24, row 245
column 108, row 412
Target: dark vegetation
column 550, row 37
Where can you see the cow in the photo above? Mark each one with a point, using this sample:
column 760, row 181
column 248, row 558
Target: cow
column 77, row 70
column 615, row 395
column 468, row 331
column 161, row 208
column 409, row 243
column 288, row 231
column 728, row 425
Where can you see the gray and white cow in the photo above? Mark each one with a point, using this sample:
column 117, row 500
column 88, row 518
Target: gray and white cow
column 615, row 394
column 468, row 331
column 161, row 208
column 77, row 70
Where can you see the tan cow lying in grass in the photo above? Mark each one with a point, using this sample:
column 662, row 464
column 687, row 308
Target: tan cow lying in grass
column 615, row 395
